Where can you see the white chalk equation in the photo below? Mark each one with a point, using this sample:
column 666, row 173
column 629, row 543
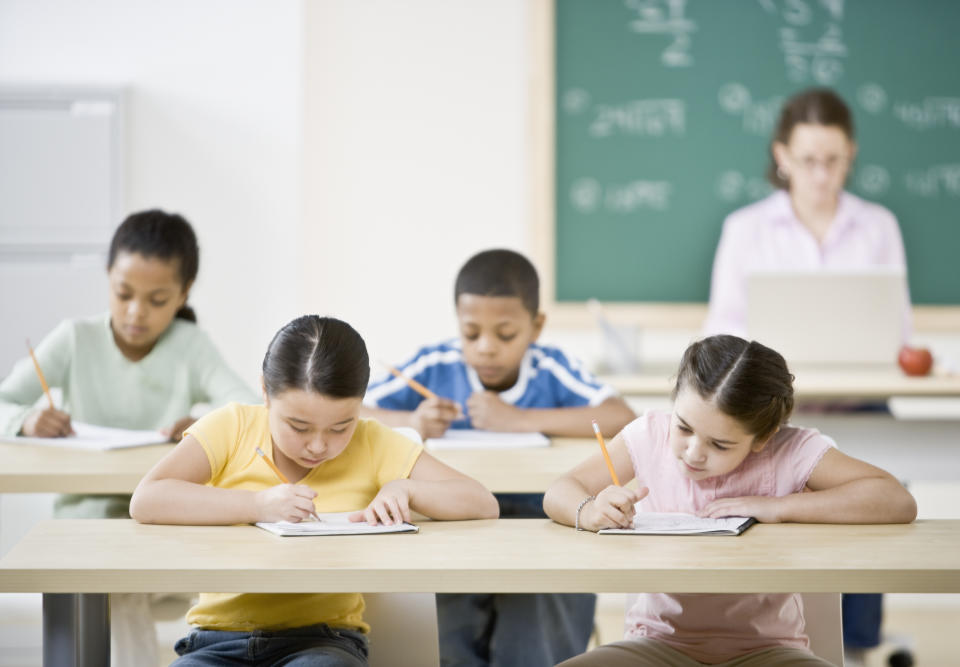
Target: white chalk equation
column 665, row 17
column 588, row 195
column 941, row 180
column 929, row 113
column 641, row 118
column 872, row 179
column 653, row 118
column 734, row 186
column 758, row 116
column 811, row 39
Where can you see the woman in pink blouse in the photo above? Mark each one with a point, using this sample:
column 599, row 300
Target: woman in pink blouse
column 809, row 222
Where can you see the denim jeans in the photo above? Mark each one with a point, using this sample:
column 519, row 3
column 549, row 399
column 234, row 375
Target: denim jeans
column 862, row 618
column 522, row 629
column 311, row 646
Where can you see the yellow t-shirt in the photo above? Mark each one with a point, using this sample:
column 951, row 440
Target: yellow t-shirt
column 376, row 455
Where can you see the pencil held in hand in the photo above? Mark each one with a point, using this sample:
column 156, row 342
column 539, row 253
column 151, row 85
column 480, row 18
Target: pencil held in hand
column 273, row 466
column 606, row 455
column 413, row 384
column 280, row 475
column 43, row 380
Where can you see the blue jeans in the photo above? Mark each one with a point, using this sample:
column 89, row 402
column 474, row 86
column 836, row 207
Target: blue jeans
column 310, row 646
column 522, row 629
column 862, row 618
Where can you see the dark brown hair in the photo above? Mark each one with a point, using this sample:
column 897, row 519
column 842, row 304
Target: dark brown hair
column 323, row 355
column 746, row 380
column 814, row 106
column 500, row 273
column 166, row 236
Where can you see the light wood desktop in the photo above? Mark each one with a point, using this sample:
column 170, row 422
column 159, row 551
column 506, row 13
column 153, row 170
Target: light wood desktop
column 812, row 383
column 75, row 563
column 35, row 469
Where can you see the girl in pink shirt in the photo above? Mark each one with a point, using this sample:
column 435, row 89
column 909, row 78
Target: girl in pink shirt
column 725, row 450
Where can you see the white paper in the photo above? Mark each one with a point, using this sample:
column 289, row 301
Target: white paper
column 333, row 523
column 677, row 523
column 95, row 438
column 464, row 438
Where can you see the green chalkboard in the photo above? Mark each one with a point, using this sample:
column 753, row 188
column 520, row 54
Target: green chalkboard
column 664, row 111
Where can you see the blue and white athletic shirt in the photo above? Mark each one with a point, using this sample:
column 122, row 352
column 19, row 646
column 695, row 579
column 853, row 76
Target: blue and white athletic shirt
column 548, row 379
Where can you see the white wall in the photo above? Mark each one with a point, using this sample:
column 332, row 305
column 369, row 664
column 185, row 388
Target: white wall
column 415, row 158
column 213, row 132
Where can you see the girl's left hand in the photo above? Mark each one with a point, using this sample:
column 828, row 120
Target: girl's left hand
column 175, row 432
column 389, row 507
column 488, row 411
column 763, row 508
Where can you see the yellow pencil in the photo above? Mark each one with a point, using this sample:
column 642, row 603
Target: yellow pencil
column 413, row 384
column 606, row 455
column 276, row 471
column 43, row 380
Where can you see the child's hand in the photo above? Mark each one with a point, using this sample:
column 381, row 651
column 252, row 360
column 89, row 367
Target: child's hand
column 175, row 432
column 488, row 411
column 391, row 506
column 612, row 508
column 47, row 423
column 763, row 508
column 285, row 502
column 433, row 416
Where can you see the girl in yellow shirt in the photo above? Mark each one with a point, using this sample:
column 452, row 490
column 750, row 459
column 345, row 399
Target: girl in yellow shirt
column 315, row 373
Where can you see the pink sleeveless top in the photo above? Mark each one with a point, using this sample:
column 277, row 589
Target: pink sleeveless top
column 714, row 628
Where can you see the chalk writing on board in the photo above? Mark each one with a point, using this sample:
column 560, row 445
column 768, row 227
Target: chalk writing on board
column 734, row 186
column 938, row 180
column 872, row 97
column 930, row 113
column 812, row 41
column 665, row 17
column 758, row 116
column 640, row 117
column 872, row 179
column 589, row 195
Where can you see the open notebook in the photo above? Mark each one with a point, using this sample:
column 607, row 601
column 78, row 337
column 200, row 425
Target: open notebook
column 333, row 523
column 466, row 438
column 93, row 437
column 676, row 523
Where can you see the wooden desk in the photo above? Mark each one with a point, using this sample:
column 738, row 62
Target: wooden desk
column 839, row 382
column 75, row 563
column 35, row 469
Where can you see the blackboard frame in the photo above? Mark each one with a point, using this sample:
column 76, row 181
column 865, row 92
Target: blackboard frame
column 543, row 155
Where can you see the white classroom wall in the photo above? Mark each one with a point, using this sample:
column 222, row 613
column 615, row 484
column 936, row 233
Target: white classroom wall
column 335, row 156
column 415, row 157
column 213, row 131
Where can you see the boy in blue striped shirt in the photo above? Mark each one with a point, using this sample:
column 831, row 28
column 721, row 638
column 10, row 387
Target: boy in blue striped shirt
column 497, row 377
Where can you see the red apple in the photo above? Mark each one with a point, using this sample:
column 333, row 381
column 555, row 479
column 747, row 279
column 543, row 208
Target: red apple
column 915, row 360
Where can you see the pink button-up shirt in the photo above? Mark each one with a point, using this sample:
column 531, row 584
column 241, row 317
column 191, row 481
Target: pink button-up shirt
column 768, row 236
column 714, row 628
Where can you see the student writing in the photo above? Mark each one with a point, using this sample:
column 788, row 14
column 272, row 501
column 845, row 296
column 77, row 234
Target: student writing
column 315, row 372
column 142, row 365
column 810, row 223
column 725, row 450
column 505, row 381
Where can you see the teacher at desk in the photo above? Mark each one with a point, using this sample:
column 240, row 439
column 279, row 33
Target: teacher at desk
column 809, row 222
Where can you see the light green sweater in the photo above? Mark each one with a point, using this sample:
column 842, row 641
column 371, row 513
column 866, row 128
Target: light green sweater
column 101, row 386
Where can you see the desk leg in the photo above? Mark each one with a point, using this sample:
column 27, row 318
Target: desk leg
column 76, row 629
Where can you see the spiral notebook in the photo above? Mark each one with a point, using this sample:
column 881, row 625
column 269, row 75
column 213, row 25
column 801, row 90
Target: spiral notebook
column 334, row 523
column 676, row 523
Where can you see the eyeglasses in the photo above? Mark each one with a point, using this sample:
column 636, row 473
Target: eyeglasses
column 830, row 164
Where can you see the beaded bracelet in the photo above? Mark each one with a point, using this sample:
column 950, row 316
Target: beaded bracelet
column 580, row 507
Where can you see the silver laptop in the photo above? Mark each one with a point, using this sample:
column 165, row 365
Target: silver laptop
column 828, row 318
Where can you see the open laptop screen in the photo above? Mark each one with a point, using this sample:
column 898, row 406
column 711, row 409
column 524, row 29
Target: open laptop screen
column 828, row 317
